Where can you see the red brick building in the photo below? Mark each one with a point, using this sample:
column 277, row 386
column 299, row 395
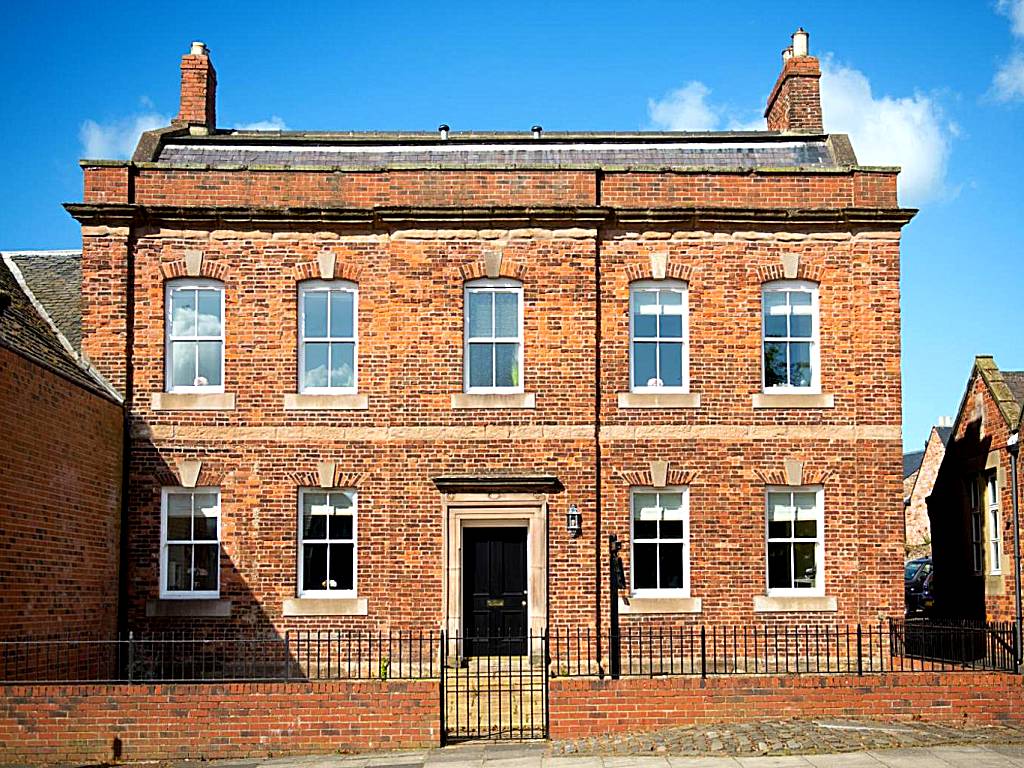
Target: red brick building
column 971, row 504
column 60, row 453
column 369, row 375
column 919, row 471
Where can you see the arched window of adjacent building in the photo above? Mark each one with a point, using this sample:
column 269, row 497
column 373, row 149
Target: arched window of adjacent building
column 328, row 337
column 658, row 330
column 493, row 336
column 790, row 334
column 194, row 335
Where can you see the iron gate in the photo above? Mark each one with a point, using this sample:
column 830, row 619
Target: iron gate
column 502, row 694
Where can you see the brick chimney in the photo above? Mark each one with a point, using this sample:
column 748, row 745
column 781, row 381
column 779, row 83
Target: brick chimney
column 198, row 91
column 795, row 103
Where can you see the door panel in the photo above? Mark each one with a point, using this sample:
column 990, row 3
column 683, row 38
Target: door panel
column 494, row 590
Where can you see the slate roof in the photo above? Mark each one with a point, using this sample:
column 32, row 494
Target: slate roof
column 27, row 332
column 482, row 150
column 912, row 463
column 944, row 434
column 55, row 279
column 1015, row 381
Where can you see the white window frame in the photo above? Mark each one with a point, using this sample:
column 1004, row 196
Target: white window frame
column 330, row 594
column 977, row 524
column 326, row 286
column 657, row 287
column 165, row 593
column 184, row 285
column 819, row 542
column 685, row 541
column 492, row 285
column 787, row 286
column 994, row 522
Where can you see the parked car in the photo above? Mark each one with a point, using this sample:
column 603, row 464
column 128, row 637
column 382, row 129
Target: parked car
column 917, row 586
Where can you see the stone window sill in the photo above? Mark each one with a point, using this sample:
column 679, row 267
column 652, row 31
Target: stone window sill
column 645, row 605
column 793, row 400
column 514, row 400
column 211, row 608
column 297, row 402
column 327, row 606
column 821, row 604
column 185, row 401
column 659, row 400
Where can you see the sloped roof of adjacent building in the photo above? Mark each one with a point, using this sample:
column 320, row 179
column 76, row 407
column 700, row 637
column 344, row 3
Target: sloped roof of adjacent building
column 944, row 434
column 1015, row 381
column 55, row 279
column 668, row 150
column 912, row 463
column 27, row 330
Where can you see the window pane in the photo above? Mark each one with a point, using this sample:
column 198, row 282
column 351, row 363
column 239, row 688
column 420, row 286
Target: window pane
column 315, row 313
column 506, row 314
column 204, row 578
column 800, row 326
column 314, row 527
column 209, row 313
column 645, row 372
column 775, row 313
column 774, row 364
column 779, row 529
column 806, row 529
column 209, row 364
column 671, row 320
column 314, row 566
column 779, row 573
column 672, row 364
column 645, row 529
column 800, row 364
column 804, row 501
column 671, row 501
column 311, row 499
column 645, row 566
column 183, row 313
column 481, row 362
column 671, row 529
column 179, row 517
column 800, row 298
column 506, row 365
column 341, row 566
column 183, row 363
column 480, row 314
column 805, row 575
column 179, row 566
column 340, row 501
column 341, row 314
column 204, row 526
column 343, row 364
column 645, row 318
column 341, row 526
column 316, row 365
column 670, row 566
column 642, row 501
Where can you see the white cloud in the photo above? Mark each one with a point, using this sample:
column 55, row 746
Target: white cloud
column 275, row 123
column 685, row 109
column 1008, row 84
column 909, row 131
column 1014, row 11
column 116, row 139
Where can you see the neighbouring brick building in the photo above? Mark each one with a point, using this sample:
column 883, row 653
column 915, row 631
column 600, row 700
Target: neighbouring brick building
column 919, row 471
column 369, row 375
column 971, row 504
column 60, row 454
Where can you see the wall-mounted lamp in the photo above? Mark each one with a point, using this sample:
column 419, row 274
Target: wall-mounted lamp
column 574, row 521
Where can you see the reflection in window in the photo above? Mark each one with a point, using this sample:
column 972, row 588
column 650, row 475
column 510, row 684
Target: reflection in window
column 658, row 328
column 660, row 541
column 493, row 336
column 191, row 542
column 327, row 543
column 195, row 336
column 795, row 536
column 327, row 336
column 790, row 320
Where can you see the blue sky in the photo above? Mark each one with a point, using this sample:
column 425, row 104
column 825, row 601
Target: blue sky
column 935, row 86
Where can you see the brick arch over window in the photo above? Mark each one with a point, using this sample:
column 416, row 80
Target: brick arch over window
column 210, row 476
column 643, row 477
column 342, row 479
column 506, row 268
column 810, row 272
column 812, row 475
column 311, row 270
column 213, row 269
column 673, row 271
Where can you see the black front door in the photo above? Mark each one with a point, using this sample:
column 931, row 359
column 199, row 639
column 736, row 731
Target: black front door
column 494, row 591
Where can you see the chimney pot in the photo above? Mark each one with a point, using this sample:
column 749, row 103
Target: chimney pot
column 443, row 130
column 537, row 131
column 787, row 53
column 199, row 49
column 800, row 38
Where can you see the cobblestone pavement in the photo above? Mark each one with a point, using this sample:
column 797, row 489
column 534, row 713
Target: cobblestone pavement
column 784, row 744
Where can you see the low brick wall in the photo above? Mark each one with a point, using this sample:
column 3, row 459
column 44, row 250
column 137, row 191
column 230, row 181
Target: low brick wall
column 45, row 724
column 588, row 707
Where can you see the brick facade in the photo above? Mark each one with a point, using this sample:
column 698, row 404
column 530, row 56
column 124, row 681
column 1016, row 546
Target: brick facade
column 576, row 238
column 60, row 503
column 917, row 488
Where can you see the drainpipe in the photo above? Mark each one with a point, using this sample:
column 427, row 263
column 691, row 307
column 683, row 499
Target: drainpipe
column 1013, row 447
